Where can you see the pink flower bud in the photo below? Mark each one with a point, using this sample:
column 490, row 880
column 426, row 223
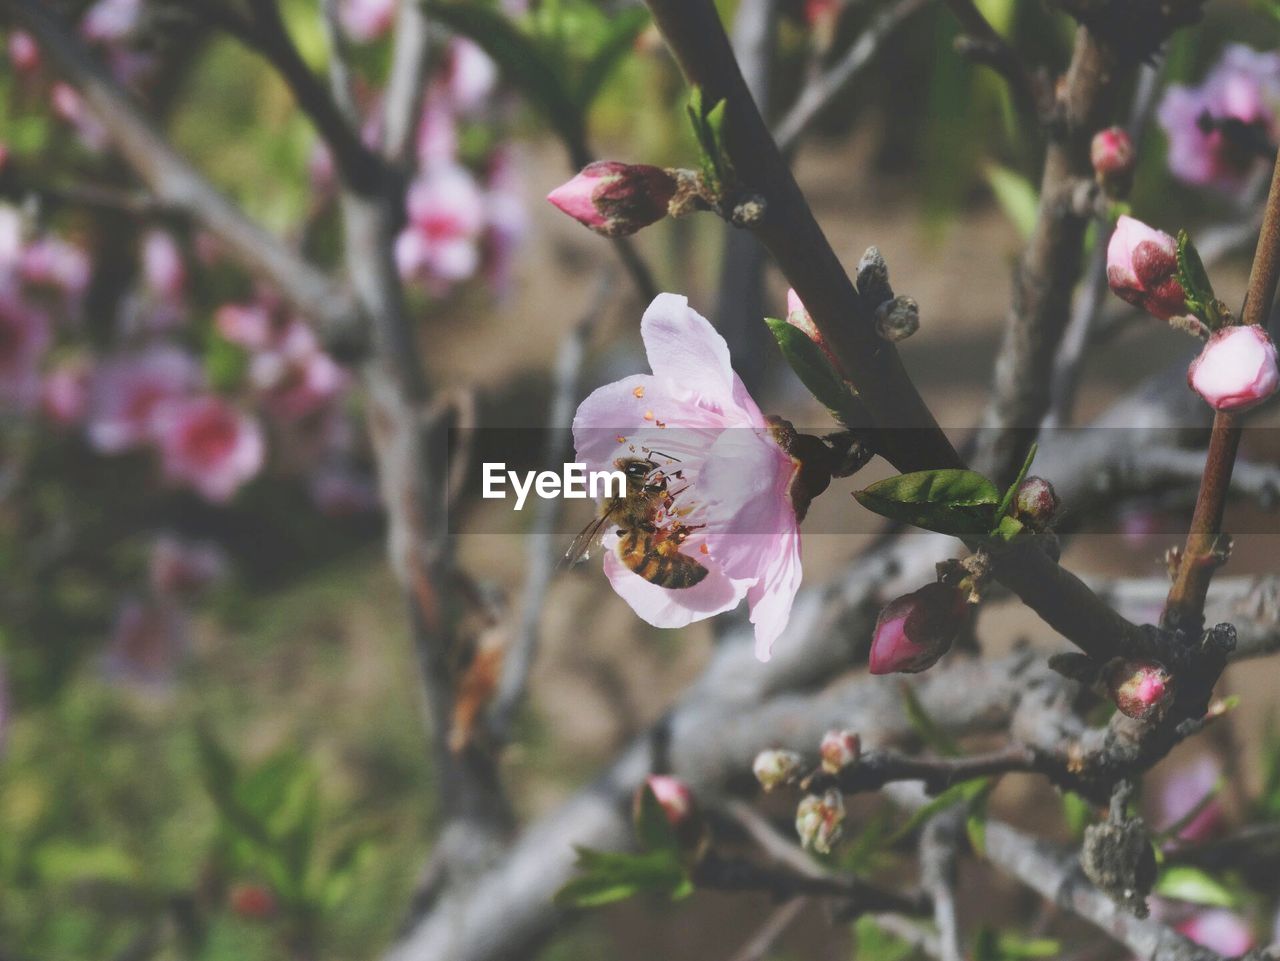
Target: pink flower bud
column 819, row 821
column 838, row 750
column 616, row 199
column 773, row 768
column 1112, row 156
column 1036, row 502
column 24, row 52
column 64, row 394
column 1142, row 269
column 1236, row 369
column 916, row 629
column 1141, row 689
column 162, row 265
column 674, row 796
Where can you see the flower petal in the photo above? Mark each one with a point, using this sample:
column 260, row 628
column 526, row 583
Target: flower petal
column 662, row 607
column 771, row 596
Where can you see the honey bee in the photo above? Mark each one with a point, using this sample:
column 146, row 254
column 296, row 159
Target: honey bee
column 645, row 547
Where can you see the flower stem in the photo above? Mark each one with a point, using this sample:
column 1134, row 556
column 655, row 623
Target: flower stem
column 1184, row 607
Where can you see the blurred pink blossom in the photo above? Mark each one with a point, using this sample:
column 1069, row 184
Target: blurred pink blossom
column 180, row 567
column 507, row 219
column 24, row 52
column 25, row 335
column 472, row 75
column 367, row 20
column 251, row 325
column 1244, row 87
column 64, row 393
column 110, row 21
column 148, row 641
column 441, row 244
column 163, row 268
column 295, row 376
column 126, row 391
column 207, row 444
column 1219, row 930
column 437, row 139
column 69, row 107
column 731, row 504
column 56, row 263
column 1183, row 790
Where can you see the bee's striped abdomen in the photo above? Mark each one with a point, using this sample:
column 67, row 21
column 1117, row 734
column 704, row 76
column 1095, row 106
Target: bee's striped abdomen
column 659, row 561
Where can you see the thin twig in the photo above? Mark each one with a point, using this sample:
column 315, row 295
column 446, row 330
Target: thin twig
column 1184, row 608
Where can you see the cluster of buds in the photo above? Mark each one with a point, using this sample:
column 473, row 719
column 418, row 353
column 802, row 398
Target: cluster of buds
column 1112, row 155
column 820, row 820
column 1236, row 369
column 915, row 630
column 617, row 199
column 1141, row 689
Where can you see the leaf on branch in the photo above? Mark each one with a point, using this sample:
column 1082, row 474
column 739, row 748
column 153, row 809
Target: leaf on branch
column 1006, row 502
column 949, row 501
column 1185, row 883
column 814, row 370
column 619, row 40
column 875, row 944
column 1201, row 300
column 1016, row 197
column 607, row 877
column 966, row 793
column 708, row 130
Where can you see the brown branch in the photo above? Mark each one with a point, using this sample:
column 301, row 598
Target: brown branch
column 1184, row 608
column 175, row 183
column 912, row 439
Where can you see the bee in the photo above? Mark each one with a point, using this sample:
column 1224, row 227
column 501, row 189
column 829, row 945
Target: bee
column 645, row 547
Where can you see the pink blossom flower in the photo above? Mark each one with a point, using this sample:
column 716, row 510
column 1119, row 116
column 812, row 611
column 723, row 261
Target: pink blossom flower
column 437, row 138
column 68, row 106
column 181, row 567
column 915, row 630
column 1236, row 369
column 209, row 445
column 250, row 325
column 1243, row 88
column 615, row 199
column 162, row 266
column 730, row 480
column 1219, row 930
column 64, row 393
column 24, row 52
column 126, row 392
column 148, row 641
column 367, row 20
column 472, row 75
column 24, row 337
column 446, row 217
column 110, row 21
column 1112, row 155
column 56, row 263
column 507, row 220
column 1185, row 788
column 295, row 376
column 1142, row 269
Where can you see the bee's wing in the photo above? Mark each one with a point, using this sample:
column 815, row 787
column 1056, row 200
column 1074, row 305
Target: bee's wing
column 585, row 540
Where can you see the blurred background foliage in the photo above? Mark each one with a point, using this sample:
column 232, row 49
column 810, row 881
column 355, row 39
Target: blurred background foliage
column 273, row 797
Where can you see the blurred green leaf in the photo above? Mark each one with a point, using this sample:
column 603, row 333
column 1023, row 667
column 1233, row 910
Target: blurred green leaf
column 1186, row 883
column 873, row 943
column 950, row 501
column 64, row 861
column 1077, row 812
column 923, row 724
column 620, row 40
column 964, row 793
column 653, row 828
column 1016, row 197
column 607, row 877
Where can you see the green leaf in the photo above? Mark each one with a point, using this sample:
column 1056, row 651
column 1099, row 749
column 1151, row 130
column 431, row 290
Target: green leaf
column 1016, row 197
column 975, row 824
column 607, row 877
column 1201, row 299
column 64, row 862
column 950, row 501
column 624, row 27
column 963, row 793
column 872, row 943
column 1006, row 502
column 1191, row 884
column 924, row 725
column 1077, row 812
column 526, row 64
column 814, row 369
column 1007, row 529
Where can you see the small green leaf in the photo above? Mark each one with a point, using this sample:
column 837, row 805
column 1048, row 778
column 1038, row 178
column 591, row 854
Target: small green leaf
column 1186, row 883
column 813, row 368
column 975, row 825
column 1201, row 300
column 1007, row 530
column 950, row 501
column 963, row 793
column 1077, row 812
column 1016, row 197
column 607, row 877
column 1006, row 502
column 623, row 29
column 875, row 944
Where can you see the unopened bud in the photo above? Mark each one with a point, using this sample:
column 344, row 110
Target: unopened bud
column 254, row 901
column 838, row 750
column 773, row 768
column 1236, row 369
column 819, row 821
column 897, row 319
column 616, row 199
column 674, row 797
column 1036, row 503
column 799, row 318
column 1112, row 156
column 1141, row 689
column 873, row 278
column 1142, row 269
column 915, row 630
